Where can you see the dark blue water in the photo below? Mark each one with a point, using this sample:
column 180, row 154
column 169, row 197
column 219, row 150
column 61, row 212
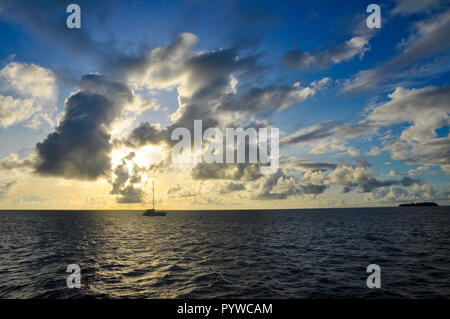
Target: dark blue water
column 294, row 254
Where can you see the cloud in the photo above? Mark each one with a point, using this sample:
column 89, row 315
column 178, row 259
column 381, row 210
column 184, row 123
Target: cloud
column 208, row 85
column 80, row 147
column 407, row 7
column 146, row 133
column 315, row 179
column 277, row 97
column 140, row 104
column 14, row 111
column 327, row 129
column 429, row 39
column 130, row 194
column 423, row 110
column 29, row 199
column 292, row 162
column 281, row 186
column 178, row 191
column 208, row 88
column 231, row 187
column 127, row 181
column 204, row 82
column 13, row 162
column 418, row 170
column 334, row 145
column 355, row 176
column 313, row 133
column 226, row 171
column 417, row 192
column 426, row 110
column 207, row 200
column 157, row 68
column 28, row 94
column 5, row 187
column 299, row 59
column 329, row 136
column 394, row 173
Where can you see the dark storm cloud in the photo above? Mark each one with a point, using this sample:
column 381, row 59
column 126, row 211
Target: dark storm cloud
column 80, row 147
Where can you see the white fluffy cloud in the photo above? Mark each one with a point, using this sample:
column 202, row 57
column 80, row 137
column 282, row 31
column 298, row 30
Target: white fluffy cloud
column 426, row 110
column 28, row 94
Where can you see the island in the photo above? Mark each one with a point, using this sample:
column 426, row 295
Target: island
column 419, row 204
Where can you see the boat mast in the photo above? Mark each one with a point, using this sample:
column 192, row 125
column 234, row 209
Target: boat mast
column 153, row 195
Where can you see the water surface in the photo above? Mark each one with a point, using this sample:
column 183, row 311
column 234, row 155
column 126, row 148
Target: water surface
column 227, row 254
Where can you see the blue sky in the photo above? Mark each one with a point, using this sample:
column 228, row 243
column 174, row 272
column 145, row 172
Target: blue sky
column 373, row 104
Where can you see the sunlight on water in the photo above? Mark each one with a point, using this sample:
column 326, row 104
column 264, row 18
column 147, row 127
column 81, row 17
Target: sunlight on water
column 296, row 254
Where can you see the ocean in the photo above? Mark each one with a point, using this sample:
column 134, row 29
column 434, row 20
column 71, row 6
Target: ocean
column 308, row 253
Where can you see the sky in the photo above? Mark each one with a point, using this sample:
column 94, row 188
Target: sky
column 86, row 114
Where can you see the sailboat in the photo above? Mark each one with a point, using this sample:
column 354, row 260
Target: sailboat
column 153, row 212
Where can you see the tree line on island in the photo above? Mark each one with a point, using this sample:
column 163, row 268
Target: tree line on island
column 419, row 204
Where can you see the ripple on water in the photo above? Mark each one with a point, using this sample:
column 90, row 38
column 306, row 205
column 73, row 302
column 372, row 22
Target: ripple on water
column 295, row 254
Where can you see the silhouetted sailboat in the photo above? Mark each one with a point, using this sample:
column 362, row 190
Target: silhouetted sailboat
column 153, row 212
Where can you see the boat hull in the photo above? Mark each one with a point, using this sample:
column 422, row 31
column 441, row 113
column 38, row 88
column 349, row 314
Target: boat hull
column 154, row 213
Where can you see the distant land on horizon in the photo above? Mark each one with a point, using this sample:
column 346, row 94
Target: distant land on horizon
column 419, row 204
